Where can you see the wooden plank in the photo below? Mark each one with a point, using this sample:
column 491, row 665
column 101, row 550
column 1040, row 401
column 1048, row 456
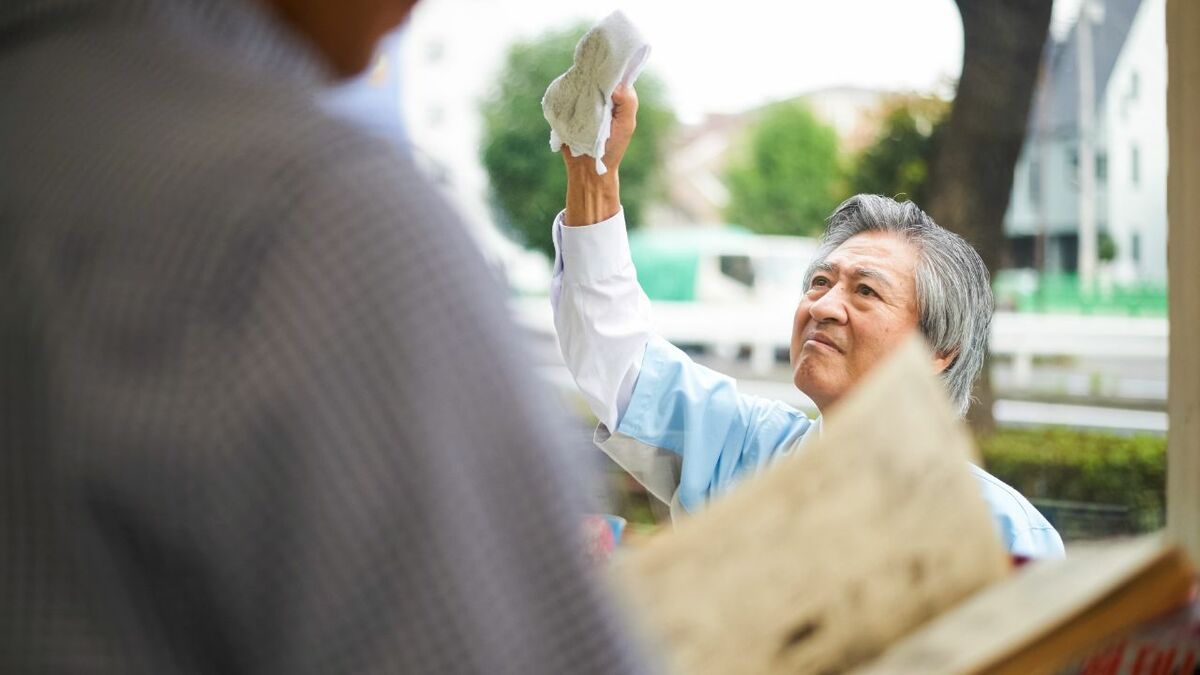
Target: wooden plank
column 1183, row 258
column 1038, row 620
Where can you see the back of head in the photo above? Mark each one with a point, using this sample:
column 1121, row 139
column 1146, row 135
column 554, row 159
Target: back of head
column 953, row 287
column 346, row 32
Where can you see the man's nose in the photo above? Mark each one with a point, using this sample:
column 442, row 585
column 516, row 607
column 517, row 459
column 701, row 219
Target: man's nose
column 830, row 307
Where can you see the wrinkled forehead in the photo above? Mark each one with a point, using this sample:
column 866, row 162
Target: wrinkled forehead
column 879, row 253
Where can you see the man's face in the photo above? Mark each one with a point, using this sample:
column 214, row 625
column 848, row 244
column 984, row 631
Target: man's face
column 860, row 304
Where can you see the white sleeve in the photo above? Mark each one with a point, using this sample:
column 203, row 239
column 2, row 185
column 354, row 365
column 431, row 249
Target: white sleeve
column 600, row 312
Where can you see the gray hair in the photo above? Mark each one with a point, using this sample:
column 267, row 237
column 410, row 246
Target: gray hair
column 954, row 293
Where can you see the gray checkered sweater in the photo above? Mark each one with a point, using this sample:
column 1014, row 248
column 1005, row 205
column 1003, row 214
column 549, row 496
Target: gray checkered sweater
column 261, row 407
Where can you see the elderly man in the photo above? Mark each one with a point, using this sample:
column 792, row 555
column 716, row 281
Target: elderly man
column 884, row 268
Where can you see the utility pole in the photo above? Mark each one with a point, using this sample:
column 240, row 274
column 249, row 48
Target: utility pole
column 1090, row 10
column 1040, row 159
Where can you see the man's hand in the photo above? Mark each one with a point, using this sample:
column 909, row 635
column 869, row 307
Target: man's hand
column 592, row 198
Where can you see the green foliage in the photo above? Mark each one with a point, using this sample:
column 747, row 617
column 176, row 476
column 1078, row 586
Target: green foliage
column 528, row 182
column 1084, row 467
column 898, row 163
column 784, row 177
column 1106, row 247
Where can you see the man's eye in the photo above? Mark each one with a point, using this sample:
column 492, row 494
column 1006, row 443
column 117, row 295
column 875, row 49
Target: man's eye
column 866, row 291
column 819, row 282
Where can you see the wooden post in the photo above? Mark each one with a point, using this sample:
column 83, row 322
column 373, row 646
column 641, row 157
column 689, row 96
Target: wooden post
column 1183, row 254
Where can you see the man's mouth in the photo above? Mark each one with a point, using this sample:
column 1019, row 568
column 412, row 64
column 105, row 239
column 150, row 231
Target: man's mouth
column 824, row 341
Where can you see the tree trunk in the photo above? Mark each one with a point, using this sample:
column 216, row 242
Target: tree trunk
column 973, row 169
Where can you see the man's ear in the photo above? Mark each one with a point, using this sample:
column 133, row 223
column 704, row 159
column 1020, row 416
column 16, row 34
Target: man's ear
column 942, row 361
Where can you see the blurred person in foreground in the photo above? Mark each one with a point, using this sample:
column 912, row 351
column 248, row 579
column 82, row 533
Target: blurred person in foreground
column 262, row 407
column 883, row 269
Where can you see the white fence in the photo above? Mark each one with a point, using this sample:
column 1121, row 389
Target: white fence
column 765, row 328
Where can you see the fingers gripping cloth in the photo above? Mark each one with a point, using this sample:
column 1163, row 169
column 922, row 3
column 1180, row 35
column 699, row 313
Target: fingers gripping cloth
column 578, row 104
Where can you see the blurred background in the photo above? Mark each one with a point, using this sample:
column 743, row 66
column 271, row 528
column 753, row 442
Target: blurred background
column 758, row 118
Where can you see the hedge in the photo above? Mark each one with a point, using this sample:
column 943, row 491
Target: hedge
column 1078, row 479
column 1087, row 467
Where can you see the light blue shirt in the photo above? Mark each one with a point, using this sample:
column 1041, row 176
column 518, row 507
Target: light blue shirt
column 722, row 435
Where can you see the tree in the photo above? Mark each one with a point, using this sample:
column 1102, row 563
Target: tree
column 784, row 177
column 898, row 163
column 528, row 183
column 973, row 169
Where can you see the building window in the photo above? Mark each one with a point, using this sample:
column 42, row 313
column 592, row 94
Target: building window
column 739, row 268
column 1073, row 163
column 1133, row 86
column 1135, row 246
column 1135, row 169
column 1102, row 167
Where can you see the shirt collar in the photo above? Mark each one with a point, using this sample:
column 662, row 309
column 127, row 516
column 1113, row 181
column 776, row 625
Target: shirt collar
column 810, row 436
column 812, row 433
column 243, row 28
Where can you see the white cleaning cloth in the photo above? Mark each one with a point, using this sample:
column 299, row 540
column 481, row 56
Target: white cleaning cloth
column 578, row 104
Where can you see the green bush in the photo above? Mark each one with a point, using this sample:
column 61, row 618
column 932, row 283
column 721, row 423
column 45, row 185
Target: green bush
column 1095, row 468
column 784, row 174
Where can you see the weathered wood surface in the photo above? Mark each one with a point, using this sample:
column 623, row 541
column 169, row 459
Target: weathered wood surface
column 1183, row 260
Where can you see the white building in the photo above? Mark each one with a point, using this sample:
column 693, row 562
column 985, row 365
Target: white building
column 1136, row 104
column 424, row 92
column 1129, row 68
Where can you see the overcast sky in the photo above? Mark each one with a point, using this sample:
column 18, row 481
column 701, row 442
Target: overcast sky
column 730, row 56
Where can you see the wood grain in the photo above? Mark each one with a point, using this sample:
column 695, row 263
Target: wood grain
column 1183, row 254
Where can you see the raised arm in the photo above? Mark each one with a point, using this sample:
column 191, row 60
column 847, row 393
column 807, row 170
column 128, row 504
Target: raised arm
column 651, row 394
column 600, row 311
